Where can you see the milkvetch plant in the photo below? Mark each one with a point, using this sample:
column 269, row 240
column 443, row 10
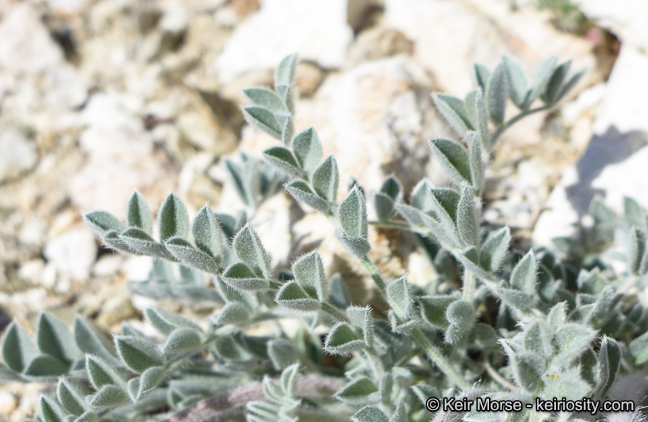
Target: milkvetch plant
column 497, row 323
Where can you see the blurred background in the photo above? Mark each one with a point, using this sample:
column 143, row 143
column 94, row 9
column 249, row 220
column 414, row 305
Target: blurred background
column 99, row 98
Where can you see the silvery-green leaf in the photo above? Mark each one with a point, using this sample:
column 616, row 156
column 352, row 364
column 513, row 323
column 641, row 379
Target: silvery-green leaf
column 309, row 273
column 482, row 336
column 357, row 246
column 113, row 241
column 272, row 391
column 46, row 366
column 434, row 308
column 424, row 392
column 633, row 211
column 70, row 398
column 542, row 73
column 249, row 249
column 557, row 315
column 384, row 206
column 263, row 119
column 369, row 414
column 454, row 111
column 240, row 183
column 139, row 214
column 266, row 99
column 262, row 408
column 138, row 353
column 90, row 342
column 343, row 339
column 173, row 218
column 289, row 380
column 303, row 193
column 392, row 188
column 208, row 234
column 470, row 259
column 453, row 158
column 101, row 373
column 497, row 95
column 241, row 277
column 637, row 251
column 639, row 349
column 233, row 313
column 181, row 340
column 50, row 410
column 400, row 298
column 400, row 414
column 412, row 215
column 444, row 203
column 476, row 110
column 571, row 340
column 482, row 76
column 359, row 391
column 588, row 364
column 422, row 196
column 569, row 84
column 8, row 375
column 476, row 162
column 17, row 348
column 353, row 214
column 555, row 83
column 461, row 316
column 523, row 277
column 285, row 74
column 191, row 256
column 293, row 297
column 494, row 249
column 282, row 353
column 467, row 217
column 54, row 338
column 308, row 149
column 338, row 293
column 139, row 386
column 361, row 318
column 284, row 160
column 569, row 385
column 514, row 298
column 166, row 322
column 139, row 241
column 601, row 212
column 537, row 340
column 400, row 326
column 101, row 222
column 287, row 131
column 527, row 370
column 519, row 89
column 229, row 348
column 609, row 360
column 109, row 396
column 88, row 416
column 325, row 179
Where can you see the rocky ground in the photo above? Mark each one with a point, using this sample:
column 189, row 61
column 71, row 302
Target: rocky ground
column 99, row 98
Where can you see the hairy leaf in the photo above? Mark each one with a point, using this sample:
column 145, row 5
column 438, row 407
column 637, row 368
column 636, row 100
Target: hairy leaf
column 343, row 339
column 138, row 353
column 173, row 218
column 263, row 119
column 309, row 273
column 249, row 249
column 357, row 392
column 308, row 149
column 453, row 158
column 497, row 94
column 266, row 99
column 208, row 234
column 303, row 193
column 284, row 160
column 293, row 297
column 17, row 348
column 325, row 179
column 139, row 214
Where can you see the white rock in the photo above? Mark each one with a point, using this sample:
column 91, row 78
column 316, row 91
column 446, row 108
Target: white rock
column 108, row 265
column 615, row 160
column 623, row 106
column 137, row 268
column 17, row 154
column 66, row 6
column 627, row 19
column 316, row 30
column 121, row 159
column 25, row 44
column 31, row 270
column 33, row 232
column 73, row 253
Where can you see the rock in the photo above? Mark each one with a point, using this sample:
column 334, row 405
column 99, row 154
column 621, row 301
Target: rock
column 73, row 253
column 31, row 271
column 115, row 310
column 616, row 155
column 308, row 78
column 108, row 265
column 628, row 23
column 32, row 232
column 450, row 36
column 377, row 43
column 67, row 7
column 121, row 159
column 315, row 30
column 25, row 44
column 17, row 154
column 8, row 402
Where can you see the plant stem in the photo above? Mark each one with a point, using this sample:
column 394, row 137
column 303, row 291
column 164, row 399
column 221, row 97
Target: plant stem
column 514, row 120
column 469, row 285
column 333, row 312
column 439, row 360
column 400, row 225
column 375, row 275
